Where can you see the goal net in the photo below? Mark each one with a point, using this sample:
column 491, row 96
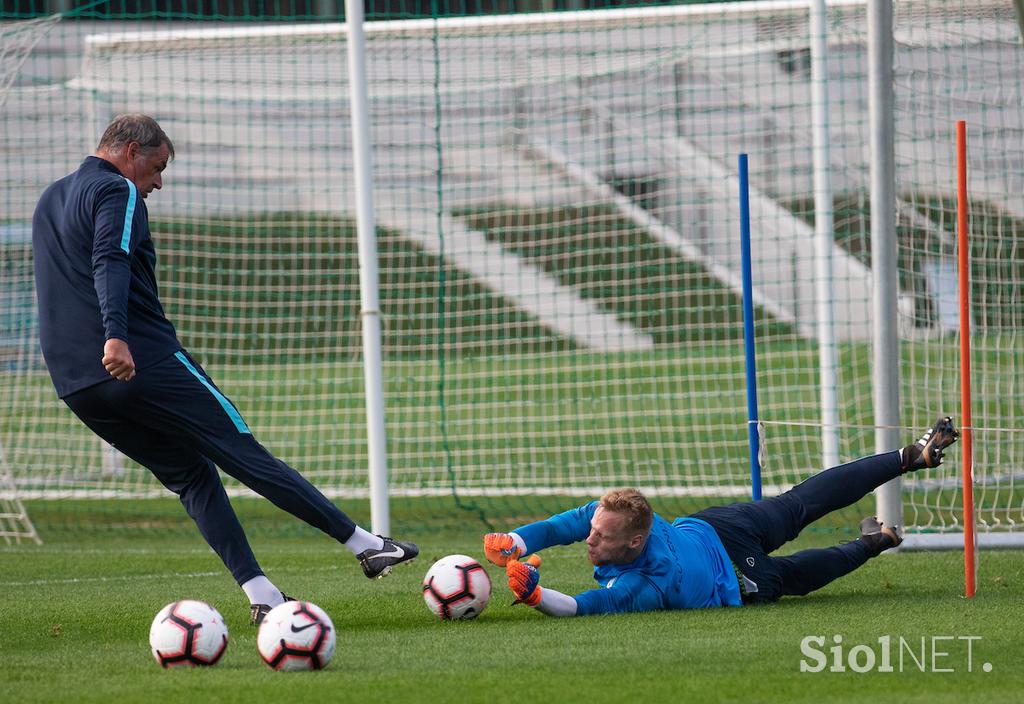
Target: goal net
column 558, row 229
column 17, row 40
column 953, row 62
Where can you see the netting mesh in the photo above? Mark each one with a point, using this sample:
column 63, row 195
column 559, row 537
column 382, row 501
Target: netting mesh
column 964, row 62
column 558, row 224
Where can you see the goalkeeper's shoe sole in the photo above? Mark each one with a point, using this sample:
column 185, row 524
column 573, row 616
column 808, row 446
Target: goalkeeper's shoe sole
column 878, row 536
column 379, row 563
column 258, row 612
column 927, row 451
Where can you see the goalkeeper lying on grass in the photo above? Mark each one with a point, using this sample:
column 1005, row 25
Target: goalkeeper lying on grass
column 717, row 557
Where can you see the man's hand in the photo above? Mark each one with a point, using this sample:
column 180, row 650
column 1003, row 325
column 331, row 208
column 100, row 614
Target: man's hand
column 117, row 359
column 524, row 581
column 499, row 548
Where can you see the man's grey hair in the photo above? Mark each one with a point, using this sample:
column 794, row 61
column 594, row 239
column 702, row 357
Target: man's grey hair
column 134, row 127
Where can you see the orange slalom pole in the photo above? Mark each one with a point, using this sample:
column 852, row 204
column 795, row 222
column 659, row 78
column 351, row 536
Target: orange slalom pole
column 966, row 448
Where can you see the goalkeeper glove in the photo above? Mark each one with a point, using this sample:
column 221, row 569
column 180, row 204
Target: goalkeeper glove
column 524, row 581
column 499, row 548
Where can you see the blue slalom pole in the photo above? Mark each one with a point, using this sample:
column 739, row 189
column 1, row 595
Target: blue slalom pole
column 748, row 332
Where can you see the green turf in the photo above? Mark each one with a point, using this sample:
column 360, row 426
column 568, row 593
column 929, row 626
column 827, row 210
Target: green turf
column 300, row 273
column 75, row 612
column 625, row 270
column 75, row 616
column 996, row 245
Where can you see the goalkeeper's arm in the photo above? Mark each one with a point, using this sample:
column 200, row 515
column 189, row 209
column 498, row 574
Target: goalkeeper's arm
column 561, row 529
column 628, row 592
column 524, row 581
column 555, row 603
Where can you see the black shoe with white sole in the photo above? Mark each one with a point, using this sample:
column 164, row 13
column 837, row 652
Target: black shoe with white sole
column 258, row 612
column 378, row 563
column 927, row 451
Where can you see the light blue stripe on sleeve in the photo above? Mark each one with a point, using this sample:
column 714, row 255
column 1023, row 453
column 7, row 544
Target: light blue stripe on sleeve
column 129, row 213
column 233, row 414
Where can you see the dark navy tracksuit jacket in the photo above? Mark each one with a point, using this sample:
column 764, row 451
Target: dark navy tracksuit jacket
column 95, row 271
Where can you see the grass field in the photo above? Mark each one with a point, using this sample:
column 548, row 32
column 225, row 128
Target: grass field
column 479, row 393
column 75, row 617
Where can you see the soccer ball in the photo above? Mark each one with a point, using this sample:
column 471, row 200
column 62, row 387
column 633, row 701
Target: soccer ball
column 296, row 635
column 457, row 587
column 188, row 633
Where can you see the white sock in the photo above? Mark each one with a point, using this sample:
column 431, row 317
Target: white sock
column 362, row 541
column 261, row 590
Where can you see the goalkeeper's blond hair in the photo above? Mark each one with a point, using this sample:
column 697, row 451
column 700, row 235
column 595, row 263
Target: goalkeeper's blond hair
column 631, row 504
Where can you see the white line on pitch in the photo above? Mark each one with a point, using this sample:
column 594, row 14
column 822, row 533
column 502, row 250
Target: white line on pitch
column 167, row 575
column 125, row 578
column 32, row 550
column 44, row 550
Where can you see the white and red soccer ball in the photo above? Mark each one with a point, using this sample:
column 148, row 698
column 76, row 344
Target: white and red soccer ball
column 457, row 587
column 188, row 633
column 297, row 635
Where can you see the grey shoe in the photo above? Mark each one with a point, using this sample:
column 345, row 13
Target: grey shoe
column 878, row 536
column 378, row 563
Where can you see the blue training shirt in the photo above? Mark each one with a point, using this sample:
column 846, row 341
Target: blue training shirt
column 95, row 269
column 683, row 565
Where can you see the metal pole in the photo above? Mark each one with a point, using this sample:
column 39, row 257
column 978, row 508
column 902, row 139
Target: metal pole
column 753, row 422
column 823, row 240
column 368, row 276
column 885, row 365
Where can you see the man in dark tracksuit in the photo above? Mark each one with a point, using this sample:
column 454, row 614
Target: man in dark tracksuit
column 116, row 361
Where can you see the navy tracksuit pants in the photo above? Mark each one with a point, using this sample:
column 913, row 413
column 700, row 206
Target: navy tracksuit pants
column 750, row 531
column 172, row 419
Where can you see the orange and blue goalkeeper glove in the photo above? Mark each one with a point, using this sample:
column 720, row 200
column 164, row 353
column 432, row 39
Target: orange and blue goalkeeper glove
column 524, row 580
column 499, row 548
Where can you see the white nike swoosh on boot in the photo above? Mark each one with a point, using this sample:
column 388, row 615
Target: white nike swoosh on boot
column 397, row 552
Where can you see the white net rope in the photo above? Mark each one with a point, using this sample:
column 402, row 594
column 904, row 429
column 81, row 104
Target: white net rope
column 17, row 40
column 963, row 61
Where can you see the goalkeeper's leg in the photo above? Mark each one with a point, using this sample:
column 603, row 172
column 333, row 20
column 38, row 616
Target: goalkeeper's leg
column 836, row 488
column 808, row 570
column 775, row 521
column 780, row 519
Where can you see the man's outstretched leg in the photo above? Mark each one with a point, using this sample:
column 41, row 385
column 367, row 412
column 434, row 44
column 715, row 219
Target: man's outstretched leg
column 177, row 393
column 784, row 516
column 846, row 484
column 808, row 570
column 194, row 479
column 175, row 398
